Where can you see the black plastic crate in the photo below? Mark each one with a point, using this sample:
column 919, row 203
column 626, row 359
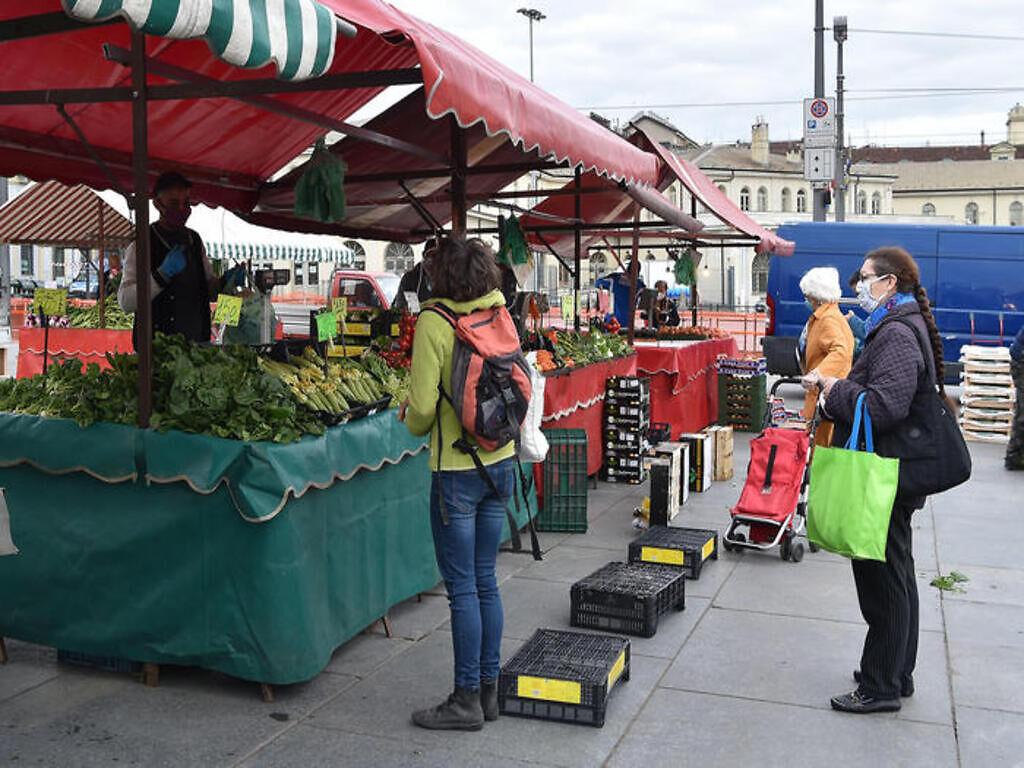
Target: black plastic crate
column 625, row 462
column 627, row 597
column 563, row 676
column 685, row 548
column 636, row 412
column 627, row 399
column 565, row 482
column 628, row 476
column 94, row 661
column 638, row 385
column 628, row 423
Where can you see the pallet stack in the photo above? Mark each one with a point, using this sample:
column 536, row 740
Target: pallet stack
column 988, row 397
column 627, row 420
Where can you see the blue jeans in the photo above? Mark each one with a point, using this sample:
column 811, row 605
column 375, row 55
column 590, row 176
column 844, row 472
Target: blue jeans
column 467, row 549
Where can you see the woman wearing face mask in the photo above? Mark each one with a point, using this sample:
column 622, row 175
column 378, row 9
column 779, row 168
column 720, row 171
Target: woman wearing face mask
column 181, row 278
column 896, row 377
column 826, row 344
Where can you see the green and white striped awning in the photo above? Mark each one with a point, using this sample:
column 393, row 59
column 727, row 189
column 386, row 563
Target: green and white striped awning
column 298, row 36
column 343, row 257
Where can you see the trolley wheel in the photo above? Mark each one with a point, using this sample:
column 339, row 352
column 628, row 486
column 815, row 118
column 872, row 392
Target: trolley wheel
column 813, row 547
column 729, row 546
column 797, row 552
column 786, row 546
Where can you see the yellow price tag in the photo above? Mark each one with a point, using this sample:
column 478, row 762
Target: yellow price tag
column 326, row 326
column 229, row 310
column 568, row 306
column 339, row 306
column 52, row 302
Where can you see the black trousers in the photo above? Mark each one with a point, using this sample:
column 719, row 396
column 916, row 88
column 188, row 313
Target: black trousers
column 888, row 601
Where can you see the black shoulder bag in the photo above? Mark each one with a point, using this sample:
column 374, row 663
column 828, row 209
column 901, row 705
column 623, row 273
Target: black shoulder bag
column 938, row 458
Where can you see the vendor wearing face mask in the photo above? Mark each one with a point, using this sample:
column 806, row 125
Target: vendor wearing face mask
column 181, row 278
column 665, row 309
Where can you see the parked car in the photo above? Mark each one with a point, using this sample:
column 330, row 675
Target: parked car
column 364, row 290
column 79, row 289
column 973, row 275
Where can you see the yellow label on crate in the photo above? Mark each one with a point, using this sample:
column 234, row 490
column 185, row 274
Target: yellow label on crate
column 563, row 691
column 705, row 553
column 358, row 329
column 659, row 555
column 620, row 664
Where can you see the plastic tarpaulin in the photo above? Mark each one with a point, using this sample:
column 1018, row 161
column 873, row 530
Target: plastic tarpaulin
column 113, row 565
column 90, row 345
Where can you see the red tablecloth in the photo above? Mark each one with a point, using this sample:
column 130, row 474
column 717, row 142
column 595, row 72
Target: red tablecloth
column 575, row 400
column 89, row 345
column 684, row 384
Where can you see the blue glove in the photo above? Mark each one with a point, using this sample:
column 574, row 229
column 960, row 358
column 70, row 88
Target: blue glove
column 173, row 263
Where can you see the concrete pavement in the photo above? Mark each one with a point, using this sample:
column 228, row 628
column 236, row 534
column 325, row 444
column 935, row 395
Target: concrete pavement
column 741, row 677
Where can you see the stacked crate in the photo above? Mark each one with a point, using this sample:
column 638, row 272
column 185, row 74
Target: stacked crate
column 987, row 402
column 743, row 393
column 627, row 418
column 564, row 508
column 669, row 466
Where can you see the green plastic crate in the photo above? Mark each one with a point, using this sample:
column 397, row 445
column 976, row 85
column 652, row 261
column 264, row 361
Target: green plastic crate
column 743, row 402
column 565, row 482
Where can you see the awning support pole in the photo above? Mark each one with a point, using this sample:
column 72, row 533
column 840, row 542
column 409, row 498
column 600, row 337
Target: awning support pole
column 577, row 248
column 615, row 254
column 101, row 294
column 634, row 271
column 459, row 162
column 114, row 183
column 554, row 253
column 140, row 174
column 421, row 209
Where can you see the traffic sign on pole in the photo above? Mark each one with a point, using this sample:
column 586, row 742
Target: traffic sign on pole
column 819, row 122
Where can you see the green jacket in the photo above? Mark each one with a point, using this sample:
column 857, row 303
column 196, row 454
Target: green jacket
column 432, row 363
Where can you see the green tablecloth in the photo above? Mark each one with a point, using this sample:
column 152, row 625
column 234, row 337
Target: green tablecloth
column 254, row 559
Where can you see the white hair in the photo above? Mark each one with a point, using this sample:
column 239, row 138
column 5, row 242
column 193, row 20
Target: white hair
column 821, row 284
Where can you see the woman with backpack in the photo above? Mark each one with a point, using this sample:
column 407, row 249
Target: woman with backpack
column 900, row 373
column 467, row 500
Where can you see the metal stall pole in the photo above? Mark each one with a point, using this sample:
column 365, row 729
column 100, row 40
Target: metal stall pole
column 578, row 246
column 459, row 162
column 634, row 270
column 101, row 294
column 140, row 177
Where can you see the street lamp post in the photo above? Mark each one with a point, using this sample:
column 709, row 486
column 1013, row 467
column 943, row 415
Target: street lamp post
column 533, row 15
column 839, row 32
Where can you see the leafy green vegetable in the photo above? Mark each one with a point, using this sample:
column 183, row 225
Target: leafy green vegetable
column 950, row 582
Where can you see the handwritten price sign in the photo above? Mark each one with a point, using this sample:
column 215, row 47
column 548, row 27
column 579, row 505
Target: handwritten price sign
column 326, row 326
column 229, row 310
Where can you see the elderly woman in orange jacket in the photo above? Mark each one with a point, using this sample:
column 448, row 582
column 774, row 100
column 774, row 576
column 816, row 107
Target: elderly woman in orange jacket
column 827, row 342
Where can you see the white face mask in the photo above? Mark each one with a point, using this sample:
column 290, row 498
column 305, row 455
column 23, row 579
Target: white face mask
column 868, row 302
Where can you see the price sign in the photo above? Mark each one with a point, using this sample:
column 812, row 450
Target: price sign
column 52, row 302
column 412, row 301
column 339, row 306
column 568, row 306
column 229, row 310
column 326, row 326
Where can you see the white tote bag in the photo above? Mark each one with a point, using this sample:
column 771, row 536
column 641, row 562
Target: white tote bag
column 533, row 445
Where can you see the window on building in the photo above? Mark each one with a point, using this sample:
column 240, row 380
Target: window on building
column 787, row 200
column 762, row 199
column 28, row 266
column 673, row 195
column 759, row 274
column 928, row 209
column 1016, row 214
column 861, row 202
column 801, row 201
column 58, row 264
column 299, row 267
column 314, row 273
column 358, row 252
column 398, row 257
column 876, row 204
column 745, row 199
column 971, row 213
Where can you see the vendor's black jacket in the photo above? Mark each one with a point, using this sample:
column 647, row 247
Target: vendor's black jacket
column 897, row 378
column 415, row 281
column 183, row 305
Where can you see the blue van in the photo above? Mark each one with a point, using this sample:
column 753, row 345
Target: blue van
column 973, row 275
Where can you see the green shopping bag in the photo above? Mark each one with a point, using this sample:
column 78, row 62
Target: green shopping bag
column 851, row 495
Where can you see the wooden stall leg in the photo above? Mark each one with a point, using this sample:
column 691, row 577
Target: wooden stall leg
column 419, row 598
column 266, row 693
column 151, row 675
column 386, row 623
column 3, row 651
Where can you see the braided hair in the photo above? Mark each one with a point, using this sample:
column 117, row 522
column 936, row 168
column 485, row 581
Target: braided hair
column 893, row 260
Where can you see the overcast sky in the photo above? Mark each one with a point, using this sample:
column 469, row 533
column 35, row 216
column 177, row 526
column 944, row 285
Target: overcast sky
column 646, row 53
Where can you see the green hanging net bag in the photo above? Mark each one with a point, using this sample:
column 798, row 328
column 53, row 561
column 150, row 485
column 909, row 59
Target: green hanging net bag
column 320, row 192
column 685, row 269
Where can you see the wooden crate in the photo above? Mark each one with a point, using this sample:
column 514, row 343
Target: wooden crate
column 723, row 447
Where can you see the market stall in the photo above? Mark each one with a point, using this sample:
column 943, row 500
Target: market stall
column 684, row 383
column 87, row 345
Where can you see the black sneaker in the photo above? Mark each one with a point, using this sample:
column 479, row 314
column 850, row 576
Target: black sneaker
column 859, row 704
column 1014, row 463
column 461, row 712
column 906, row 687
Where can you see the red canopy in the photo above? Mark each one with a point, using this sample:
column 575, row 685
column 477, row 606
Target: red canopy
column 230, row 147
column 715, row 201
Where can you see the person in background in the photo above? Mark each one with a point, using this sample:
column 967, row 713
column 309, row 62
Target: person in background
column 417, row 279
column 665, row 310
column 466, row 515
column 182, row 282
column 898, row 382
column 856, row 324
column 826, row 343
column 1015, row 449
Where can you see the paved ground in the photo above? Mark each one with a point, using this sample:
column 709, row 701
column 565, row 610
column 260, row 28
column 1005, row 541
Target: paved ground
column 741, row 677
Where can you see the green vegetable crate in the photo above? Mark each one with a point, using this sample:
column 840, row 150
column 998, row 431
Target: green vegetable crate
column 743, row 402
column 565, row 482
